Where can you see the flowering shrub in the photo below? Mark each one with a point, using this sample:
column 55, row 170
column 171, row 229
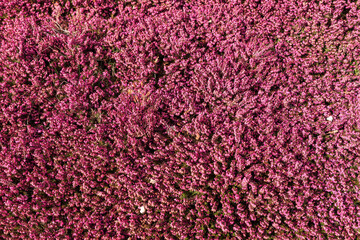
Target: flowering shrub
column 179, row 119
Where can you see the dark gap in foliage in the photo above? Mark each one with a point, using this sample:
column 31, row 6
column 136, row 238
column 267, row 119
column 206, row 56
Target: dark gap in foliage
column 112, row 170
column 343, row 14
column 106, row 12
column 255, row 89
column 311, row 223
column 318, row 74
column 148, row 149
column 29, row 193
column 260, row 177
column 211, row 177
column 328, row 23
column 178, row 175
column 349, row 30
column 220, row 53
column 127, row 4
column 256, row 223
column 274, row 88
column 43, row 195
column 159, row 69
column 26, row 219
column 218, row 140
column 291, row 184
column 15, row 180
column 158, row 161
column 69, row 232
column 87, row 209
column 77, row 189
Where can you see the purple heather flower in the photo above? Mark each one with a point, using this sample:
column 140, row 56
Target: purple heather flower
column 179, row 119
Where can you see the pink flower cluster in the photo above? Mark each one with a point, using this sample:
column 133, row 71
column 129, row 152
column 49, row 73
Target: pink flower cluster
column 179, row 119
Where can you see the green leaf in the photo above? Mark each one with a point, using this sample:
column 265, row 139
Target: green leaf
column 189, row 194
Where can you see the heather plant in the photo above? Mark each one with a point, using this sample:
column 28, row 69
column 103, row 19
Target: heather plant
column 179, row 119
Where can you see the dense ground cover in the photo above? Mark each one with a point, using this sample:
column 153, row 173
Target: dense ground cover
column 179, row 119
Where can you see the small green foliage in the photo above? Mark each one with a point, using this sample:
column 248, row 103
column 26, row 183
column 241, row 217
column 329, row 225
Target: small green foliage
column 355, row 181
column 189, row 194
column 13, row 60
column 184, row 165
column 103, row 144
column 218, row 213
column 116, row 50
column 301, row 231
column 212, row 226
column 354, row 167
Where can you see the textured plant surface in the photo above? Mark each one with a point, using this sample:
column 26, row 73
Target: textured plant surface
column 179, row 119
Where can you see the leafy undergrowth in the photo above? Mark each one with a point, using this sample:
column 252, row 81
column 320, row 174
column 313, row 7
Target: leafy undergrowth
column 179, row 119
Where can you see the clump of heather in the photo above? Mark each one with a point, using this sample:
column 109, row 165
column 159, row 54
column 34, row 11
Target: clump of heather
column 179, row 119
